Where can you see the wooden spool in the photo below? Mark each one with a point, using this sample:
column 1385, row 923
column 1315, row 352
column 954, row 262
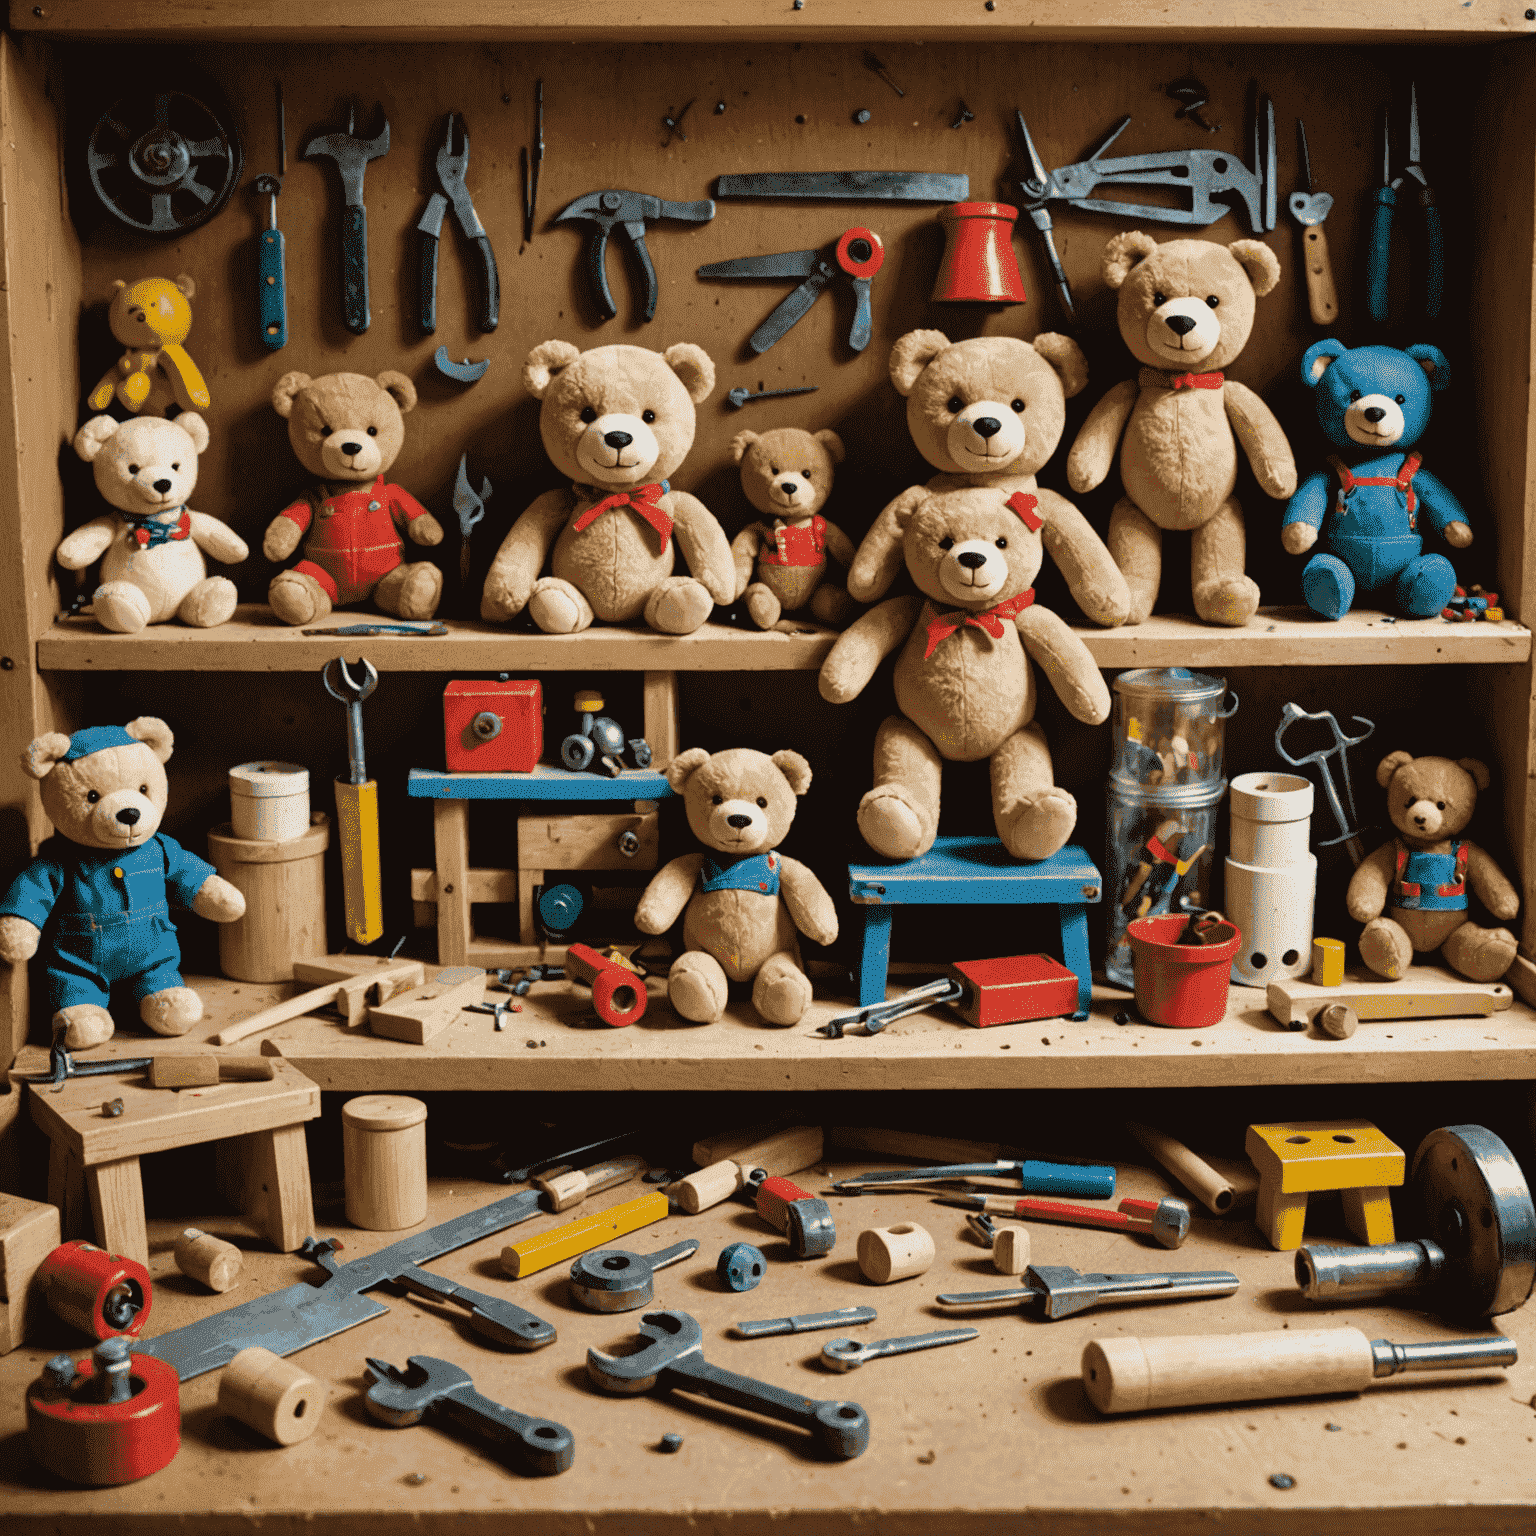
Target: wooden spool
column 284, row 889
column 209, row 1259
column 271, row 1395
column 895, row 1253
column 708, row 1187
column 1010, row 1250
column 384, row 1147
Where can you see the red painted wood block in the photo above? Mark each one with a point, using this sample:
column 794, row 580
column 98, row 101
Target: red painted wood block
column 1014, row 988
column 493, row 727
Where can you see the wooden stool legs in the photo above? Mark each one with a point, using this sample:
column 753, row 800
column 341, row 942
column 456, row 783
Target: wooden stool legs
column 266, row 1175
column 1282, row 1217
column 1368, row 1213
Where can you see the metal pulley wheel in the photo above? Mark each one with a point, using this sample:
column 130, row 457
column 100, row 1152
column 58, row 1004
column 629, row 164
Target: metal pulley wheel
column 164, row 161
column 1477, row 1207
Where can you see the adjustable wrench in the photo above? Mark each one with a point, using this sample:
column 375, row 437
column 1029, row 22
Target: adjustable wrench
column 427, row 1385
column 850, row 1354
column 502, row 1321
column 1063, row 1292
column 352, row 155
column 616, row 1280
column 673, row 1356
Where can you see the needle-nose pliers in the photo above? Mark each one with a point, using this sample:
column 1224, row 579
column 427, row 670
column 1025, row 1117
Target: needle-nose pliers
column 1379, row 260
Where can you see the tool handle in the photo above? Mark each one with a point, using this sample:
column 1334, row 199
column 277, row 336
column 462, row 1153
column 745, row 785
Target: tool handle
column 597, row 275
column 490, row 285
column 648, row 269
column 858, row 336
column 1076, row 1215
column 428, row 290
column 563, row 1190
column 354, row 269
column 278, row 1013
column 1378, row 260
column 777, row 323
column 1322, row 296
column 272, row 291
column 1434, row 255
column 357, row 825
column 1126, row 1375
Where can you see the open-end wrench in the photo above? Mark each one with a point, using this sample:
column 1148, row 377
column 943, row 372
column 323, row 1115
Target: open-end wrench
column 502, row 1321
column 672, row 1355
column 616, row 1280
column 427, row 1385
column 850, row 1354
column 1063, row 1292
column 352, row 155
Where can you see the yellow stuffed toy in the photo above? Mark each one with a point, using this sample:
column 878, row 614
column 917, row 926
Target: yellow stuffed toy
column 152, row 318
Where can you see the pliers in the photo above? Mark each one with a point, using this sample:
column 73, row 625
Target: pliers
column 1379, row 259
column 450, row 177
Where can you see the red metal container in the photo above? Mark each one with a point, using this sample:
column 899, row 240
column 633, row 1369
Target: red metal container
column 104, row 1444
column 493, row 727
column 1181, row 985
column 1015, row 988
column 99, row 1293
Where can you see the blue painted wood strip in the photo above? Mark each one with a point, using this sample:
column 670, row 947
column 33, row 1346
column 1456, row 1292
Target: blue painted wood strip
column 975, row 871
column 542, row 784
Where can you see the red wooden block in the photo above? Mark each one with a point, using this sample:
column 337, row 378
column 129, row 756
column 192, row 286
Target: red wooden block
column 493, row 727
column 1014, row 988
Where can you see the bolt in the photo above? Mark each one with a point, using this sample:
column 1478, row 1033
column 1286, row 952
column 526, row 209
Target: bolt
column 863, row 115
column 671, row 1443
column 1122, row 1017
column 719, row 108
column 1281, row 1480
column 59, row 1373
column 112, row 1108
column 415, row 1479
column 113, row 1359
column 964, row 116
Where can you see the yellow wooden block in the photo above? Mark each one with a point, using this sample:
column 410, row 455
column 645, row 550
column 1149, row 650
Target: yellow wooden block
column 582, row 1235
column 1281, row 1218
column 1308, row 1155
column 1327, row 962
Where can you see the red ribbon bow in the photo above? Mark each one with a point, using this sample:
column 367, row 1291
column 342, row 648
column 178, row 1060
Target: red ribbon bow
column 645, row 501
column 991, row 620
column 1024, row 504
column 1196, row 381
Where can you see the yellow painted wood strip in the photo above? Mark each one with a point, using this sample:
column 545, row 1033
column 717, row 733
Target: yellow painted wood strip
column 582, row 1235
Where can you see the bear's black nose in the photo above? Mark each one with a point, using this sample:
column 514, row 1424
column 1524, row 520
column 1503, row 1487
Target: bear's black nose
column 738, row 820
column 972, row 559
column 617, row 439
column 1180, row 325
column 986, row 426
column 789, row 487
column 351, row 447
column 1373, row 413
column 129, row 816
column 162, row 486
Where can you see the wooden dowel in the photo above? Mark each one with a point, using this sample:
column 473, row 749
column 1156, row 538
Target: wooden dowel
column 1211, row 1188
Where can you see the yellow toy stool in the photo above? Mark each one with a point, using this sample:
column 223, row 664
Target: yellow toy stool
column 1296, row 1158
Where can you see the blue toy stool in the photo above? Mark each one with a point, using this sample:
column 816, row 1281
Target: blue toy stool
column 975, row 871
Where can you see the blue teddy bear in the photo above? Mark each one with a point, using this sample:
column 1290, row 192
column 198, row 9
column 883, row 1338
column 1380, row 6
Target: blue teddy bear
column 1377, row 398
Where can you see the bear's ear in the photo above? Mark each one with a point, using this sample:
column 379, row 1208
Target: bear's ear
column 286, row 390
column 1066, row 357
column 1259, row 262
column 832, row 443
column 694, row 366
column 794, row 768
column 1478, row 769
column 119, row 285
column 38, row 760
column 545, row 364
column 1389, row 765
column 1123, row 253
column 155, row 734
column 684, row 766
column 739, row 445
column 186, row 285
column 398, row 388
column 195, row 428
column 92, row 437
column 1319, row 358
column 1434, row 363
column 911, row 354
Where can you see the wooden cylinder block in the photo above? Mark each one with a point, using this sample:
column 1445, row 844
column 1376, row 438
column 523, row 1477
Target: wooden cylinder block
column 271, row 1395
column 1010, row 1250
column 708, row 1187
column 384, row 1147
column 1327, row 962
column 216, row 1263
column 894, row 1253
column 284, row 889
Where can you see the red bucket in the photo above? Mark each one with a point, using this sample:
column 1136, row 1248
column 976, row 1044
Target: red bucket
column 1181, row 985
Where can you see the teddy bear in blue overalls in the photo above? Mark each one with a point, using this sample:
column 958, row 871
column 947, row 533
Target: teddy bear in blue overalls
column 1369, row 512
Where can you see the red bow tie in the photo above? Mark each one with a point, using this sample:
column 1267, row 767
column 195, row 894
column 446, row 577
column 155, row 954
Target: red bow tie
column 645, row 501
column 991, row 620
column 1024, row 504
column 1196, row 381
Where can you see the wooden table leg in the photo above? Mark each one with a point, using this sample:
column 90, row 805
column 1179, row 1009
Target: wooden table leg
column 661, row 717
column 874, row 955
column 1281, row 1218
column 66, row 1189
column 273, row 1186
column 1074, row 952
column 450, row 831
column 117, row 1208
column 1368, row 1214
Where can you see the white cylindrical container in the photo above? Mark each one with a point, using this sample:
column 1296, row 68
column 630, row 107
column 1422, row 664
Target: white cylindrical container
column 269, row 802
column 1271, row 877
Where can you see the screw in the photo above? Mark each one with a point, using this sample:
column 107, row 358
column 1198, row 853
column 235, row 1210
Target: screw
column 863, row 115
column 113, row 1359
column 415, row 1479
column 1282, row 1480
column 965, row 116
column 719, row 108
column 1333, row 1427
column 112, row 1108
column 671, row 1443
column 59, row 1373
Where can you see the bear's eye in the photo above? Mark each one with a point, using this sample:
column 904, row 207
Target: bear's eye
column 717, row 799
column 762, row 802
column 133, row 469
column 773, row 469
column 1018, row 405
column 373, row 431
column 1159, row 299
column 954, row 405
column 1400, row 399
column 647, row 417
column 1439, row 805
column 1002, row 543
column 91, row 797
column 175, row 466
column 946, row 542
column 1212, row 299
column 1354, row 395
column 143, row 789
column 588, row 414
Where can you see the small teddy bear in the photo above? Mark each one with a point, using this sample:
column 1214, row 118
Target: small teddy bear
column 1411, row 893
column 744, row 901
column 151, row 548
column 97, row 898
column 347, row 429
column 1184, row 306
column 1379, row 399
column 152, row 318
column 616, row 421
column 963, row 679
column 787, row 475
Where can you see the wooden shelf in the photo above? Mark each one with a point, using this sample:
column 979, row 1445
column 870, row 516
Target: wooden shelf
column 933, row 1050
column 255, row 642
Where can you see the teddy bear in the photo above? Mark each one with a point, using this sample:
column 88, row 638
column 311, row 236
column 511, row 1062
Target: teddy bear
column 97, row 898
column 616, row 421
column 787, row 475
column 347, row 429
column 151, row 548
column 990, row 412
column 1184, row 306
column 1378, row 399
column 963, row 679
column 152, row 318
column 1411, row 894
column 744, row 902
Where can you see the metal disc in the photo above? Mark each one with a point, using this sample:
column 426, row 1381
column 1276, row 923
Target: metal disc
column 1477, row 1206
column 611, row 1280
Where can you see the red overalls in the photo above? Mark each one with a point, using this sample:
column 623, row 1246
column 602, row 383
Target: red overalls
column 796, row 544
column 355, row 542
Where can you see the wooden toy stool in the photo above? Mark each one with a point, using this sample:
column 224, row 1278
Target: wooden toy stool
column 1297, row 1158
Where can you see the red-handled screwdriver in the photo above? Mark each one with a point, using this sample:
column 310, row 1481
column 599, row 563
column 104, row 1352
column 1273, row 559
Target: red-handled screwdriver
column 1165, row 1220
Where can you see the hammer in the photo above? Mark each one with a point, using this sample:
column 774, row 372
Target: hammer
column 352, row 155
